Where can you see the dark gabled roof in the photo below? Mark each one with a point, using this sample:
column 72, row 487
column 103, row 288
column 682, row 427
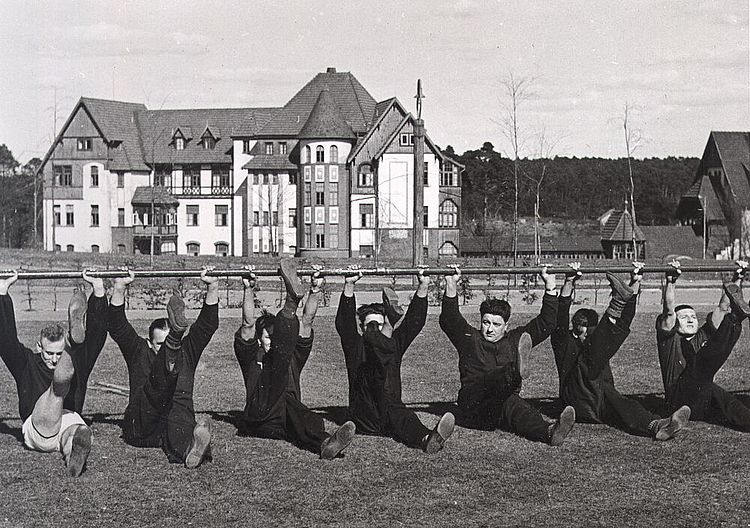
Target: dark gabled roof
column 268, row 162
column 700, row 195
column 666, row 241
column 326, row 120
column 619, row 227
column 161, row 196
column 381, row 109
column 408, row 118
column 355, row 103
column 734, row 151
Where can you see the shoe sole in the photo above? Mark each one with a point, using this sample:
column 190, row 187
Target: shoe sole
column 77, row 317
column 288, row 270
column 734, row 293
column 201, row 441
column 623, row 291
column 79, row 452
column 176, row 314
column 440, row 435
column 338, row 441
column 524, row 355
column 563, row 427
column 677, row 422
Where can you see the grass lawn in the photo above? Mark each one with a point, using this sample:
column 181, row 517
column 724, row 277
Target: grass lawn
column 600, row 477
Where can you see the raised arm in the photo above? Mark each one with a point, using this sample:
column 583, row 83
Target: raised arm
column 724, row 307
column 668, row 318
column 451, row 321
column 10, row 349
column 541, row 326
column 204, row 327
column 346, row 315
column 246, row 331
column 119, row 327
column 416, row 314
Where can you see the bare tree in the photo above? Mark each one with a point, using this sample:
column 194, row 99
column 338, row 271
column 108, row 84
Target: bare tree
column 545, row 147
column 633, row 139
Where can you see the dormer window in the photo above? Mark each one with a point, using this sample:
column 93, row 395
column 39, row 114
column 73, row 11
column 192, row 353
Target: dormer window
column 179, row 143
column 209, row 143
column 269, row 148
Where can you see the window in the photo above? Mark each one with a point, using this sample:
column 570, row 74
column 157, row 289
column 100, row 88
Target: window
column 275, row 218
column 121, row 248
column 333, row 236
column 168, row 247
column 209, row 143
column 292, row 217
column 69, row 216
column 268, row 148
column 448, row 214
column 308, row 236
column 282, row 147
column 120, row 217
column 256, row 218
column 63, row 175
column 56, row 214
column 221, row 183
column 292, row 178
column 84, row 143
column 58, row 247
column 191, row 179
column 265, row 218
column 333, row 194
column 308, row 194
column 365, row 176
column 264, row 179
column 448, row 249
column 95, row 176
column 406, row 140
column 70, row 248
column 163, row 178
column 94, row 216
column 320, row 240
column 334, row 154
column 256, row 179
column 274, row 179
column 319, row 154
column 320, row 194
column 308, row 155
column 94, row 248
column 425, row 216
column 446, row 176
column 246, row 146
column 365, row 251
column 193, row 248
column 120, row 180
column 222, row 249
column 179, row 143
column 366, row 215
column 426, row 176
column 221, row 213
column 192, row 215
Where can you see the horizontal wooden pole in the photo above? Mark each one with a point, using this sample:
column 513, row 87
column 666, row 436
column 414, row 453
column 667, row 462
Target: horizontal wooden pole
column 718, row 266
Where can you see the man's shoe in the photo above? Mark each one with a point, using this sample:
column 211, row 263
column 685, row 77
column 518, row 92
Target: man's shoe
column 560, row 430
column 79, row 452
column 440, row 434
column 176, row 314
column 740, row 308
column 199, row 445
column 288, row 271
column 337, row 442
column 667, row 428
column 393, row 310
column 77, row 317
column 621, row 294
column 524, row 355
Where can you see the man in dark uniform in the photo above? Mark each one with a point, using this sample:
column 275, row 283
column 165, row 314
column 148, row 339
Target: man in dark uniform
column 51, row 381
column 272, row 351
column 690, row 355
column 582, row 356
column 493, row 361
column 161, row 371
column 373, row 364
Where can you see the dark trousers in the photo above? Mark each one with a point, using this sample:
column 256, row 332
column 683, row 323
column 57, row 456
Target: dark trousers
column 295, row 423
column 605, row 341
column 624, row 413
column 151, row 419
column 402, row 424
column 696, row 388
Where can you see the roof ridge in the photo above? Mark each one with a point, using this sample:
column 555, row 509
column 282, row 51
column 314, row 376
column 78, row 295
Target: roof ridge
column 83, row 97
column 356, row 98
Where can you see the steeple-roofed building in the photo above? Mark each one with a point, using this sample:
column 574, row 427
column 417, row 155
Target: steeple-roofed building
column 327, row 174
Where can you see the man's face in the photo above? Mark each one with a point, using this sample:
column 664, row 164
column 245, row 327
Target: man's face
column 493, row 327
column 158, row 337
column 51, row 351
column 377, row 319
column 265, row 339
column 687, row 322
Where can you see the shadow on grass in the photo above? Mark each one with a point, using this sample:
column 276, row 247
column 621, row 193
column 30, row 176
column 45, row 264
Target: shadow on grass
column 15, row 432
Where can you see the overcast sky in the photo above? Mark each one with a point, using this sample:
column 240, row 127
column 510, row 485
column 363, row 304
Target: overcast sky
column 683, row 65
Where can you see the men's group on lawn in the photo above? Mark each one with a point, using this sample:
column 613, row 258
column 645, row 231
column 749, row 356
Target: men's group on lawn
column 493, row 360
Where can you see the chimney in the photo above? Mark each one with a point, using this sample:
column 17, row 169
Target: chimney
column 330, row 70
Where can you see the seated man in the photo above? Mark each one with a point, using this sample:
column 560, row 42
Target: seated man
column 492, row 361
column 691, row 355
column 272, row 352
column 51, row 381
column 582, row 356
column 161, row 372
column 373, row 364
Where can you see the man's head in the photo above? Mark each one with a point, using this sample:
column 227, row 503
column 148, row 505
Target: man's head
column 495, row 316
column 687, row 320
column 372, row 314
column 584, row 321
column 51, row 344
column 264, row 330
column 157, row 333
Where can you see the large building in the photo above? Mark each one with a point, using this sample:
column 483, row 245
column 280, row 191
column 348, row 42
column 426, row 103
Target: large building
column 328, row 174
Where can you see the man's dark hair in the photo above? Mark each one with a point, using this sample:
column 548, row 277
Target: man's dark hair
column 264, row 322
column 585, row 317
column 368, row 309
column 495, row 307
column 52, row 333
column 161, row 323
column 683, row 307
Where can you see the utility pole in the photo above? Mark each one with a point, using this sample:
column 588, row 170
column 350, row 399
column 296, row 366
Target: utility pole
column 54, row 149
column 417, row 248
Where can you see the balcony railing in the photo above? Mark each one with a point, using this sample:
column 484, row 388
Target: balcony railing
column 213, row 190
column 159, row 230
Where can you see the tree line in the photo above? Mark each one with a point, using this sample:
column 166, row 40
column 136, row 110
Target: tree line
column 17, row 201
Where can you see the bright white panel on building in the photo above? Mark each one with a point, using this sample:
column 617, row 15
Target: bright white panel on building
column 320, row 215
column 308, row 215
column 333, row 173
column 333, row 215
column 308, row 173
column 320, row 173
column 393, row 193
